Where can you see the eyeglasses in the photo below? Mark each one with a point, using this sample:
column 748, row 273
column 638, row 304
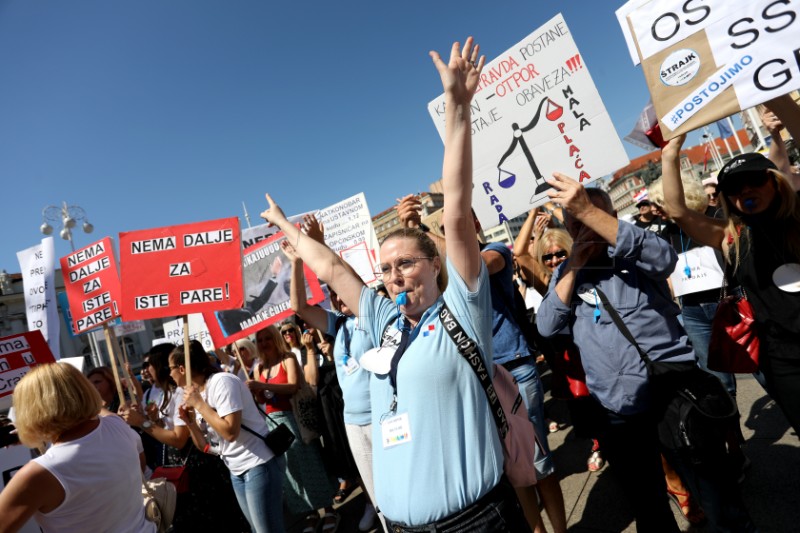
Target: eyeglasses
column 287, row 332
column 734, row 185
column 561, row 254
column 713, row 195
column 404, row 264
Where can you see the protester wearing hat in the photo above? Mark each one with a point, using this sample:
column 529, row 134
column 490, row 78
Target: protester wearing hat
column 760, row 240
column 646, row 218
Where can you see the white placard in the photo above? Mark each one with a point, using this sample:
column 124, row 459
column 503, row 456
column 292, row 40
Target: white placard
column 536, row 111
column 37, row 265
column 660, row 24
column 705, row 271
column 705, row 60
column 350, row 233
column 173, row 331
column 622, row 17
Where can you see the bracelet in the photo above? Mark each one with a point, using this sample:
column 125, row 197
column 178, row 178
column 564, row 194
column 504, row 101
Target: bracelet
column 206, row 447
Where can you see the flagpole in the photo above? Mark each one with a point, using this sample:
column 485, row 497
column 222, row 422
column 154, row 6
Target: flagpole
column 735, row 135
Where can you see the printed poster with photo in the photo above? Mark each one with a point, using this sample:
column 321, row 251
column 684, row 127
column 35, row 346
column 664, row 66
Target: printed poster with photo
column 536, row 111
column 267, row 281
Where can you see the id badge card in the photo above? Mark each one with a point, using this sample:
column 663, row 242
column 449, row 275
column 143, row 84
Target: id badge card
column 395, row 431
column 350, row 366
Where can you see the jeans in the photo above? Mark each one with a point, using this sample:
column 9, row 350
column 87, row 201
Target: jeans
column 258, row 492
column 498, row 511
column 697, row 322
column 530, row 388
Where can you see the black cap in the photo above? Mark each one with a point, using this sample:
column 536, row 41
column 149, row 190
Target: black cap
column 643, row 202
column 741, row 165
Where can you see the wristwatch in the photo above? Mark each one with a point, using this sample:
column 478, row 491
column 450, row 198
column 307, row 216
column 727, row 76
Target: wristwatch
column 147, row 424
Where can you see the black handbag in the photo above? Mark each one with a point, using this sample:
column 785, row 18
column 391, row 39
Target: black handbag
column 693, row 409
column 278, row 440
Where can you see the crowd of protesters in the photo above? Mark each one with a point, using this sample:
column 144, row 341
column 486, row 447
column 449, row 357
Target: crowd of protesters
column 399, row 411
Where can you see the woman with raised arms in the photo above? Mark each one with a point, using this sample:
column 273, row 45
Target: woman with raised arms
column 437, row 457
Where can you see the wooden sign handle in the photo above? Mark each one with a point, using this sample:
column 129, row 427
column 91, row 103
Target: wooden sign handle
column 186, row 350
column 112, row 355
column 239, row 358
column 124, row 365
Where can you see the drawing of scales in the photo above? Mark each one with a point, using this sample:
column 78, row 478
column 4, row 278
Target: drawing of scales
column 507, row 179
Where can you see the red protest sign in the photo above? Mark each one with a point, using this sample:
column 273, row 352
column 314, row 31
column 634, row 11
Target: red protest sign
column 18, row 353
column 178, row 270
column 92, row 285
column 267, row 278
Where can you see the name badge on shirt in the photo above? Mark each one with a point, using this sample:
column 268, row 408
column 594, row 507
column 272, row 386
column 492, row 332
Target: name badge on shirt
column 396, row 430
column 350, row 366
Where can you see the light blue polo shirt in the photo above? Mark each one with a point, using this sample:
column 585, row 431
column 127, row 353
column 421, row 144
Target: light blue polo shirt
column 454, row 455
column 354, row 384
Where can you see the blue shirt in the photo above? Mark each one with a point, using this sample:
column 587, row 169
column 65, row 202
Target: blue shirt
column 634, row 279
column 454, row 455
column 355, row 383
column 508, row 342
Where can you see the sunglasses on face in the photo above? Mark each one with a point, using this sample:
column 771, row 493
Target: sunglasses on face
column 561, row 254
column 287, row 332
column 735, row 185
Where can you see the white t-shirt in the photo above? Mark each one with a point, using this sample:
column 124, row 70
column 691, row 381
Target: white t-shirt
column 227, row 394
column 102, row 481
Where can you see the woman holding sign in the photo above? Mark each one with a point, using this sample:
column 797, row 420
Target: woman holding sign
column 760, row 241
column 222, row 419
column 90, row 478
column 425, row 396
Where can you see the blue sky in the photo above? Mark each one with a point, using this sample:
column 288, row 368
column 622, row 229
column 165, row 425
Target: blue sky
column 151, row 113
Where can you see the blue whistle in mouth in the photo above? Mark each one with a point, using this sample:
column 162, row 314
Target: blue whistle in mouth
column 402, row 298
column 749, row 204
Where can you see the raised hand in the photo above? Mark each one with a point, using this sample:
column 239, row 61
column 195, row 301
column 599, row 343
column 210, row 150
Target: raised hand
column 569, row 193
column 289, row 250
column 273, row 214
column 275, row 268
column 314, row 228
column 408, row 211
column 461, row 74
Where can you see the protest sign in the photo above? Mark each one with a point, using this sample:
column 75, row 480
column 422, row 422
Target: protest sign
column 536, row 111
column 350, row 233
column 18, row 353
column 37, row 265
column 704, row 61
column 697, row 270
column 178, row 270
column 12, row 459
column 173, row 331
column 267, row 279
column 92, row 285
column 256, row 234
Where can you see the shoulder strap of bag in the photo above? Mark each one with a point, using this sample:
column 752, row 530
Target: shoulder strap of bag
column 469, row 351
column 621, row 326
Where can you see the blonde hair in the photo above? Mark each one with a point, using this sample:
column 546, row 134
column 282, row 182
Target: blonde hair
column 248, row 345
column 551, row 237
column 788, row 210
column 51, row 399
column 693, row 192
column 277, row 338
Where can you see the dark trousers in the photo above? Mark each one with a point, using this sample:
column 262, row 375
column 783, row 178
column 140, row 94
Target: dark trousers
column 715, row 487
column 498, row 511
column 780, row 364
column 630, row 445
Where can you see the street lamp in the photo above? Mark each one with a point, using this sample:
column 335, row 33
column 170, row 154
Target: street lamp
column 69, row 216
